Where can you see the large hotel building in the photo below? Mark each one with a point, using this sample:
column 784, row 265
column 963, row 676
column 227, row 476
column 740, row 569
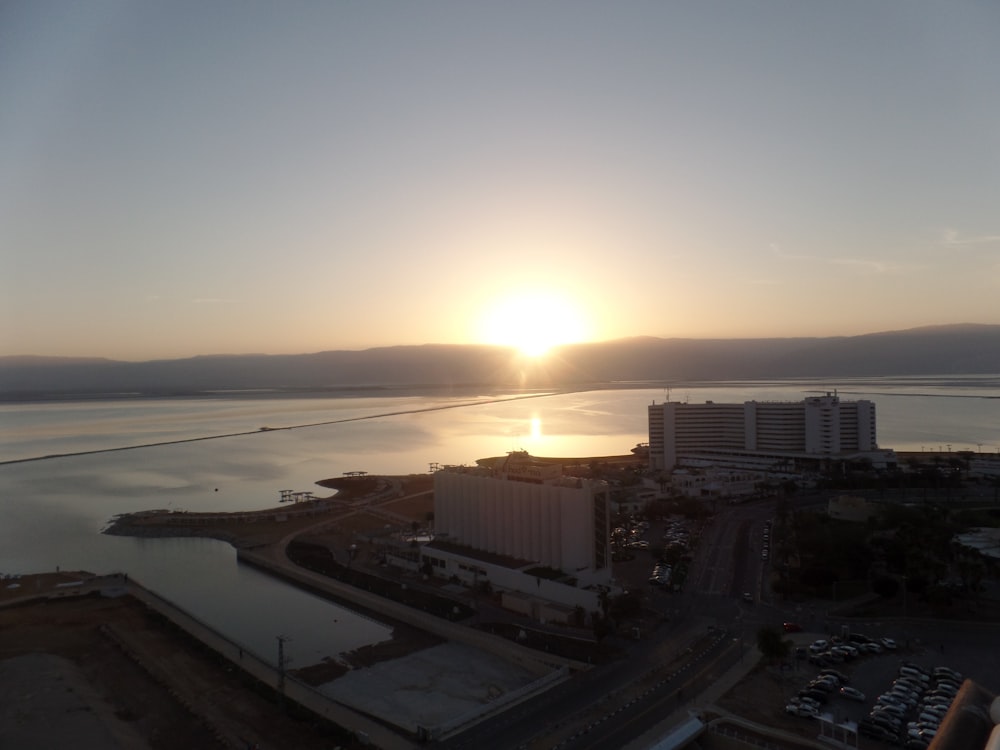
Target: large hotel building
column 505, row 522
column 528, row 511
column 759, row 432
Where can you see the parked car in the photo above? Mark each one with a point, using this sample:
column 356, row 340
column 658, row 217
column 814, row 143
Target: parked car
column 853, row 693
column 917, row 667
column 907, row 671
column 869, row 728
column 801, row 709
column 938, row 700
column 908, row 685
column 891, row 708
column 947, row 685
column 826, row 685
column 888, row 643
column 817, row 695
column 946, row 673
column 944, row 692
column 845, row 651
column 908, row 700
column 886, row 720
column 888, row 699
column 840, row 676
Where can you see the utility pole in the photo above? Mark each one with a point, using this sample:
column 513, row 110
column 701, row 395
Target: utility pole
column 281, row 670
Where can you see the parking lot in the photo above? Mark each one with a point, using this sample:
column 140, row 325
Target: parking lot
column 765, row 693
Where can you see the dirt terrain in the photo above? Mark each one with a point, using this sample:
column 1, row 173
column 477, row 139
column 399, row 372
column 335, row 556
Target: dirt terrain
column 149, row 684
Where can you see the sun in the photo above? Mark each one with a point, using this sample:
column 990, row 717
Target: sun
column 533, row 322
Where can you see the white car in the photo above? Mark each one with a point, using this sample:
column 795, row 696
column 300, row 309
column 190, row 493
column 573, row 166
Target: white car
column 888, row 643
column 818, row 646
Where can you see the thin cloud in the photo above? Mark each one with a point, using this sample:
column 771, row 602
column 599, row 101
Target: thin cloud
column 864, row 264
column 872, row 266
column 776, row 249
column 953, row 238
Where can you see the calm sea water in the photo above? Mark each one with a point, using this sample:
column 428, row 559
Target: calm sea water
column 54, row 509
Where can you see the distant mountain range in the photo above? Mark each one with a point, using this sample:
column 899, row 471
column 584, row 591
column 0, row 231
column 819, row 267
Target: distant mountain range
column 938, row 350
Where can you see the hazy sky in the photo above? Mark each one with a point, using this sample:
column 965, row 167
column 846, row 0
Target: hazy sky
column 183, row 178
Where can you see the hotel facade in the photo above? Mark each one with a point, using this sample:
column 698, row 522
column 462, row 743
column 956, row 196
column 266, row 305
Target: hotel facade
column 761, row 433
column 500, row 523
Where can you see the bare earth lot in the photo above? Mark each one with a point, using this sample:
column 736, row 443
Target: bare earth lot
column 145, row 684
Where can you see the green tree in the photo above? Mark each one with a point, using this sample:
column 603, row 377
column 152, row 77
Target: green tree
column 885, row 586
column 772, row 645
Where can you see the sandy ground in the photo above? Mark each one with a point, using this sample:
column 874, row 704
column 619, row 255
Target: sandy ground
column 47, row 701
column 64, row 674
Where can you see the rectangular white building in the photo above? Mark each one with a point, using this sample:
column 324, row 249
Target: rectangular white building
column 527, row 510
column 819, row 426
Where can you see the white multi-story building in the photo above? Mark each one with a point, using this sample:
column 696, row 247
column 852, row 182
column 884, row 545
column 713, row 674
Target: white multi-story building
column 526, row 510
column 497, row 523
column 817, row 427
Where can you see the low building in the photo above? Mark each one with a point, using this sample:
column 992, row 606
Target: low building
column 714, row 482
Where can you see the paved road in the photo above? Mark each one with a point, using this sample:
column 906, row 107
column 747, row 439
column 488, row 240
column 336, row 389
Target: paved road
column 640, row 687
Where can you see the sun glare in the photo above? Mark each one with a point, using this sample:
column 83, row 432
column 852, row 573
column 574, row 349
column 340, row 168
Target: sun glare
column 534, row 323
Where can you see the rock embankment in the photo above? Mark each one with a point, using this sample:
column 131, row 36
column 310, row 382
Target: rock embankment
column 241, row 529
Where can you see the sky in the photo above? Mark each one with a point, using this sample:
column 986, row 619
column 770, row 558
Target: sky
column 189, row 178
